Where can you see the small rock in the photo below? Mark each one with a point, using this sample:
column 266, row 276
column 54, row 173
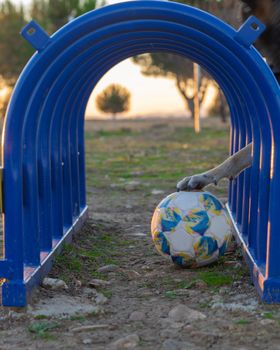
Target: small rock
column 131, row 274
column 182, row 313
column 54, row 284
column 87, row 341
column 223, row 290
column 183, row 292
column 156, row 192
column 16, row 315
column 89, row 292
column 266, row 322
column 128, row 342
column 108, row 268
column 167, row 323
column 200, row 284
column 62, row 306
column 137, row 173
column 138, row 234
column 168, row 333
column 171, row 344
column 133, row 183
column 132, row 186
column 100, row 299
column 237, row 266
column 78, row 283
column 137, row 316
column 114, row 185
column 234, row 306
column 178, row 280
column 89, row 328
column 95, row 283
column 146, row 294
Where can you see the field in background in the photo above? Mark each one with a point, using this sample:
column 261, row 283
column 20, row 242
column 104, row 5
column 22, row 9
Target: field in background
column 155, row 152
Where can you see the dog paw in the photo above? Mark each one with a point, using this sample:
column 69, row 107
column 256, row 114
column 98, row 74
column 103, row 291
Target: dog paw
column 195, row 182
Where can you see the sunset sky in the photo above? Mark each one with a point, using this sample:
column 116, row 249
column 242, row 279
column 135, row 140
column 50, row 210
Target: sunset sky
column 149, row 96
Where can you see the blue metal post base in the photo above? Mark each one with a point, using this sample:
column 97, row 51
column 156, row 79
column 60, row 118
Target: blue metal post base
column 267, row 288
column 14, row 294
column 17, row 293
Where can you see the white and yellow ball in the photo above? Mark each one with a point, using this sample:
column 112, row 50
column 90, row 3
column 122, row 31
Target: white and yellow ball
column 192, row 228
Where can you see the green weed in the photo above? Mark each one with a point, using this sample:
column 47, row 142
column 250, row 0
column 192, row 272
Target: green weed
column 42, row 329
column 215, row 279
column 171, row 294
column 41, row 317
column 242, row 322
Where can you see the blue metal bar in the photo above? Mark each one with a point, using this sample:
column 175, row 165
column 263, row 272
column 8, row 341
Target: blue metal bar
column 6, row 269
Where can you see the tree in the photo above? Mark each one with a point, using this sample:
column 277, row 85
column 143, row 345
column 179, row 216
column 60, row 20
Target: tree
column 114, row 99
column 227, row 10
column 53, row 14
column 15, row 51
column 177, row 68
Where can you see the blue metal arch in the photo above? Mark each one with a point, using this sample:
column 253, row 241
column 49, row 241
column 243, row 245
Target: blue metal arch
column 43, row 155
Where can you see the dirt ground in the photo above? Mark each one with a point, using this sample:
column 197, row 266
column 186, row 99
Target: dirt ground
column 120, row 293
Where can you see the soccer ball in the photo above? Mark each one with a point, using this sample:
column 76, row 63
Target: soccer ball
column 192, row 228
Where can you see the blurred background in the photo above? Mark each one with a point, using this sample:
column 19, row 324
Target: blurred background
column 147, row 86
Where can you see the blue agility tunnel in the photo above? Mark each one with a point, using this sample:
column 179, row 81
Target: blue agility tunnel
column 44, row 194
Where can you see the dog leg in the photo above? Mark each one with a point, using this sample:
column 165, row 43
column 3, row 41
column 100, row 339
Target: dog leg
column 230, row 168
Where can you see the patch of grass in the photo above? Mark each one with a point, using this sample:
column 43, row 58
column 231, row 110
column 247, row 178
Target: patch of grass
column 78, row 318
column 242, row 322
column 113, row 133
column 204, row 305
column 41, row 317
column 92, row 248
column 149, row 284
column 215, row 279
column 185, row 284
column 171, row 294
column 161, row 158
column 268, row 315
column 69, row 259
column 107, row 293
column 97, row 275
column 42, row 329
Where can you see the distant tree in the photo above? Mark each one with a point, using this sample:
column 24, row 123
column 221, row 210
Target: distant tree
column 227, row 10
column 86, row 6
column 177, row 68
column 114, row 99
column 53, row 14
column 14, row 51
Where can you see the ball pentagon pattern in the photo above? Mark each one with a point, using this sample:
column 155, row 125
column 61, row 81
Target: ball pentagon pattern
column 191, row 228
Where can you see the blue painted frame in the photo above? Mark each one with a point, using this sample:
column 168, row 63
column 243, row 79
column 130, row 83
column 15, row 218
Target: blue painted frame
column 43, row 138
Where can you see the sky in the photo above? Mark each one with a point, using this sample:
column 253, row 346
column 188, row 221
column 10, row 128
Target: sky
column 149, row 96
